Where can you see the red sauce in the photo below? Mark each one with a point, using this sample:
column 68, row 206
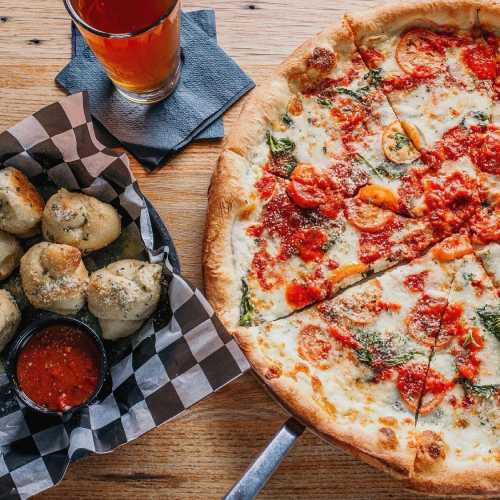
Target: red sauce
column 374, row 245
column 410, row 382
column 300, row 295
column 265, row 186
column 416, row 380
column 262, row 266
column 322, row 60
column 313, row 344
column 311, row 244
column 424, row 320
column 372, row 57
column 451, row 202
column 344, row 337
column 480, row 59
column 455, row 143
column 485, row 226
column 327, row 86
column 396, row 82
column 59, row 368
column 485, row 150
column 467, row 363
column 416, row 282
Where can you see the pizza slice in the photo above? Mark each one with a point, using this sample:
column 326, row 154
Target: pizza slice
column 458, row 429
column 435, row 67
column 325, row 108
column 354, row 367
column 293, row 245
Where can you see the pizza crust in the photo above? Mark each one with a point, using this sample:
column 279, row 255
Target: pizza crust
column 263, row 107
column 227, row 199
column 394, row 18
column 489, row 16
column 313, row 416
column 478, row 482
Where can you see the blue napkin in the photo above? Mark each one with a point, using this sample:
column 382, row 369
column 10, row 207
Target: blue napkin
column 211, row 83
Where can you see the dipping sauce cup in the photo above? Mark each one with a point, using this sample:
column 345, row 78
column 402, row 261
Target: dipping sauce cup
column 137, row 42
column 57, row 365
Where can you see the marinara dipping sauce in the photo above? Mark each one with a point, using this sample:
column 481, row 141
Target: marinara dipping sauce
column 59, row 367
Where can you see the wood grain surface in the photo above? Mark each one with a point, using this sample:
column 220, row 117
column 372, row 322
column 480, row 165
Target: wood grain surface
column 202, row 453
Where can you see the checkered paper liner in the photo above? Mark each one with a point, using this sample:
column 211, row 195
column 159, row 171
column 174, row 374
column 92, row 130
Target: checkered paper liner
column 180, row 356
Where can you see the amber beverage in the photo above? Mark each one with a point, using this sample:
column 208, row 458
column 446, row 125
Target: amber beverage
column 137, row 42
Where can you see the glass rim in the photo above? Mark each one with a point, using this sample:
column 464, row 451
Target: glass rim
column 79, row 20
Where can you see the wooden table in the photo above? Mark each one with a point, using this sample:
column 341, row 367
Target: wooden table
column 201, row 454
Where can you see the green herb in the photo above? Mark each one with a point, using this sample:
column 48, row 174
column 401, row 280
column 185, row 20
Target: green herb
column 468, row 276
column 246, row 307
column 358, row 95
column 402, row 358
column 483, row 391
column 279, row 146
column 401, row 141
column 377, row 352
column 287, row 120
column 386, row 169
column 481, row 117
column 490, row 318
column 324, row 102
column 290, row 166
column 373, row 79
column 329, row 245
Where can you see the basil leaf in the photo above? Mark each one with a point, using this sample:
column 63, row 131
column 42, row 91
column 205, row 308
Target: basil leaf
column 490, row 319
column 481, row 117
column 483, row 391
column 324, row 102
column 374, row 77
column 246, row 308
column 386, row 170
column 375, row 351
column 390, row 170
column 279, row 146
column 357, row 95
column 287, row 120
column 291, row 165
column 401, row 141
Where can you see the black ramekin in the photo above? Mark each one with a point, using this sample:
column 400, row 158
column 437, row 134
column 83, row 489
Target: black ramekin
column 26, row 335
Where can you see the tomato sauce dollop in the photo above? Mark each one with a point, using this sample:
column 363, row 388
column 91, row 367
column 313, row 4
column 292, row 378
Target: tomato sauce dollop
column 59, row 367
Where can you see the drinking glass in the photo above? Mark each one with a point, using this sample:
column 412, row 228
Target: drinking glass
column 136, row 41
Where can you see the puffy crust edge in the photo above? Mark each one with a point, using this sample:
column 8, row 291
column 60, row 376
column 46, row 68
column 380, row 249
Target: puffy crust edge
column 482, row 482
column 225, row 200
column 459, row 13
column 264, row 106
column 396, row 464
column 489, row 16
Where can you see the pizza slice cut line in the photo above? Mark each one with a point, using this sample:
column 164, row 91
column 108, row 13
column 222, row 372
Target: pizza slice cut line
column 436, row 69
column 348, row 356
column 303, row 256
column 460, row 431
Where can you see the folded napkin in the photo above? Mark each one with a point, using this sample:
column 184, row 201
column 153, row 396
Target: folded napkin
column 211, row 82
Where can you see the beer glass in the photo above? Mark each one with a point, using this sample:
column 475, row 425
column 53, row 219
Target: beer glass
column 136, row 41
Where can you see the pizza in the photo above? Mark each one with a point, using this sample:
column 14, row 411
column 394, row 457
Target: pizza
column 353, row 240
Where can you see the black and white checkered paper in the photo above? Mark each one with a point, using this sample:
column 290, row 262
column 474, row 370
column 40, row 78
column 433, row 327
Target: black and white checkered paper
column 180, row 356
